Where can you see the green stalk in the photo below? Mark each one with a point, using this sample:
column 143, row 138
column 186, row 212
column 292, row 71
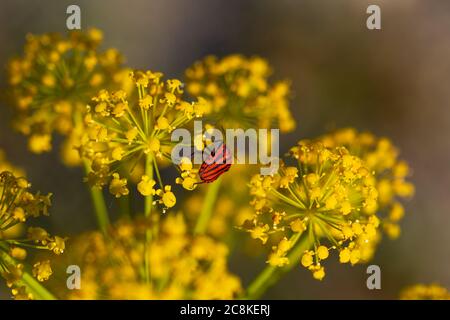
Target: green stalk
column 147, row 212
column 270, row 275
column 207, row 208
column 98, row 202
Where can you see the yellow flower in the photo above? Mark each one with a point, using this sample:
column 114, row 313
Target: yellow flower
column 163, row 123
column 322, row 252
column 20, row 293
column 231, row 208
column 40, row 143
column 237, row 94
column 185, row 164
column 18, row 253
column 70, row 156
column 154, row 145
column 5, row 165
column 189, row 176
column 189, row 183
column 58, row 245
column 146, row 102
column 307, row 258
column 318, row 272
column 19, row 214
column 344, row 255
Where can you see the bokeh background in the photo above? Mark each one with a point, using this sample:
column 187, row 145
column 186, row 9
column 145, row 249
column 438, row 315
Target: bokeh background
column 394, row 82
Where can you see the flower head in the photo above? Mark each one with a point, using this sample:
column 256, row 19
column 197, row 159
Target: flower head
column 123, row 130
column 54, row 80
column 326, row 197
column 236, row 93
column 181, row 266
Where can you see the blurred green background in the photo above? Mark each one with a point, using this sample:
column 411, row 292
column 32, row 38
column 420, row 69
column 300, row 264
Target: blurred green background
column 394, row 82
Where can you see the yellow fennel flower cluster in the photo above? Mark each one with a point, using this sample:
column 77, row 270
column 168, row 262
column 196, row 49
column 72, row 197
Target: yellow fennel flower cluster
column 326, row 199
column 123, row 130
column 231, row 207
column 53, row 81
column 17, row 205
column 382, row 158
column 425, row 292
column 238, row 93
column 180, row 266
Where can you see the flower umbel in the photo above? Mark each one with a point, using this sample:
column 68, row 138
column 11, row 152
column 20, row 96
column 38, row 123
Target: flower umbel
column 327, row 195
column 182, row 266
column 390, row 173
column 17, row 205
column 54, row 80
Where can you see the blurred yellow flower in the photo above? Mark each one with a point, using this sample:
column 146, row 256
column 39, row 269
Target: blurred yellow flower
column 231, row 207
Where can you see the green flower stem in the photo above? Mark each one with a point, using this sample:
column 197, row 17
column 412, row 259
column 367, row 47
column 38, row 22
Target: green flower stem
column 124, row 206
column 207, row 208
column 100, row 208
column 34, row 287
column 270, row 275
column 98, row 202
column 148, row 203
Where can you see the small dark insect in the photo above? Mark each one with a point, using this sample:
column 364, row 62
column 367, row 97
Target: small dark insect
column 217, row 163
